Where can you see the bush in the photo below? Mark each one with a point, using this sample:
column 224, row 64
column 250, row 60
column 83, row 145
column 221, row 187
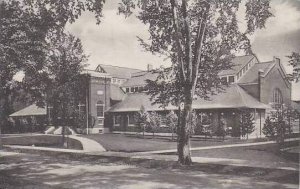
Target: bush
column 246, row 123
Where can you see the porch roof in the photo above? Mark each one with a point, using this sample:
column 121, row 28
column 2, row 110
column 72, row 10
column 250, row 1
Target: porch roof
column 32, row 110
column 233, row 97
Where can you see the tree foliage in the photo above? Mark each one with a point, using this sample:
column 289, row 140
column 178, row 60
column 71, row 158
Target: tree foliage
column 27, row 28
column 172, row 122
column 200, row 38
column 246, row 123
column 294, row 60
column 154, row 122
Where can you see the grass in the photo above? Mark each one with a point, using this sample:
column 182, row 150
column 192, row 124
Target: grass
column 41, row 141
column 136, row 143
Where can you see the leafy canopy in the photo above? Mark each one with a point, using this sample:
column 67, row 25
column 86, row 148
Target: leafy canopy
column 200, row 37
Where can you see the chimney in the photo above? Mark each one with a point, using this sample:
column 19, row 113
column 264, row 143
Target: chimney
column 149, row 67
column 276, row 59
column 260, row 73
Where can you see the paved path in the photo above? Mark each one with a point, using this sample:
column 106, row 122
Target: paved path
column 21, row 170
column 156, row 155
column 87, row 144
column 217, row 147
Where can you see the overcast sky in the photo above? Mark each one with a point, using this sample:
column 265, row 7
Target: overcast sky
column 114, row 41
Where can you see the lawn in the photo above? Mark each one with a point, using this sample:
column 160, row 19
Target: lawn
column 40, row 140
column 135, row 143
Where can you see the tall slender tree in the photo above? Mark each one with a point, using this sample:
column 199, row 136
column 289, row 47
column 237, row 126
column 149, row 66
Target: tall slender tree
column 65, row 86
column 200, row 38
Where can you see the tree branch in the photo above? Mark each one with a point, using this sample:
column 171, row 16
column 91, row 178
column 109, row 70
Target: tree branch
column 174, row 6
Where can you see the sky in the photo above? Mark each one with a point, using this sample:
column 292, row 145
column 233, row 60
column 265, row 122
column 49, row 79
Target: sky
column 115, row 42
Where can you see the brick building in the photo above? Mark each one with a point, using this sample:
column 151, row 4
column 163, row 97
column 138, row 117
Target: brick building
column 115, row 94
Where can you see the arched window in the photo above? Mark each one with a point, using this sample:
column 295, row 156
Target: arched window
column 277, row 96
column 100, row 108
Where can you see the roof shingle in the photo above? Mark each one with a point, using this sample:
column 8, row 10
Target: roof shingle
column 233, row 97
column 237, row 64
column 251, row 76
column 32, row 110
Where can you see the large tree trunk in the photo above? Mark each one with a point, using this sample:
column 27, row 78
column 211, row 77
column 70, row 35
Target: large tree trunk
column 183, row 146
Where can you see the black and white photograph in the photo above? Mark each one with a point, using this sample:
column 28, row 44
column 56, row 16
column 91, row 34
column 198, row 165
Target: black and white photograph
column 149, row 94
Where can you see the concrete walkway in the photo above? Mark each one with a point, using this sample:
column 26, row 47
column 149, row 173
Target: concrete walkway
column 87, row 144
column 92, row 148
column 217, row 147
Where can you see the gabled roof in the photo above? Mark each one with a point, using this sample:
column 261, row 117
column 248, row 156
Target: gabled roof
column 116, row 93
column 233, row 97
column 251, row 76
column 139, row 79
column 32, row 110
column 237, row 64
column 116, row 71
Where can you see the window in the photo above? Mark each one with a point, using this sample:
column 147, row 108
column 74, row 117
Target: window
column 136, row 89
column 231, row 79
column 127, row 90
column 141, row 89
column 81, row 108
column 224, row 80
column 145, row 89
column 131, row 89
column 163, row 121
column 100, row 121
column 117, row 120
column 113, row 80
column 100, row 108
column 277, row 96
column 131, row 120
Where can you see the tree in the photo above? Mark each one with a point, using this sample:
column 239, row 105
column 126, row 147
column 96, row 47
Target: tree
column 21, row 47
column 200, row 38
column 269, row 128
column 154, row 122
column 171, row 121
column 246, row 123
column 25, row 30
column 295, row 62
column 141, row 118
column 275, row 126
column 65, row 86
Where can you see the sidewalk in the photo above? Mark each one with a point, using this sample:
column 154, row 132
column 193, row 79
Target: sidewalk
column 155, row 156
column 216, row 147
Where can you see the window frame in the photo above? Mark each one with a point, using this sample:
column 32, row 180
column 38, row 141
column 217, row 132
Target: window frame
column 100, row 103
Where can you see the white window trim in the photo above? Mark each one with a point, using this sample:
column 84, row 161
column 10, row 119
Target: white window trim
column 129, row 125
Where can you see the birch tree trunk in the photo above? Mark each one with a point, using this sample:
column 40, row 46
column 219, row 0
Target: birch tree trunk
column 183, row 146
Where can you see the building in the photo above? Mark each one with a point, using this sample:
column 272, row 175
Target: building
column 115, row 94
column 253, row 85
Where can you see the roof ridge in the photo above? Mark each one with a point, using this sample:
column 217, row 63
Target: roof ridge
column 121, row 67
